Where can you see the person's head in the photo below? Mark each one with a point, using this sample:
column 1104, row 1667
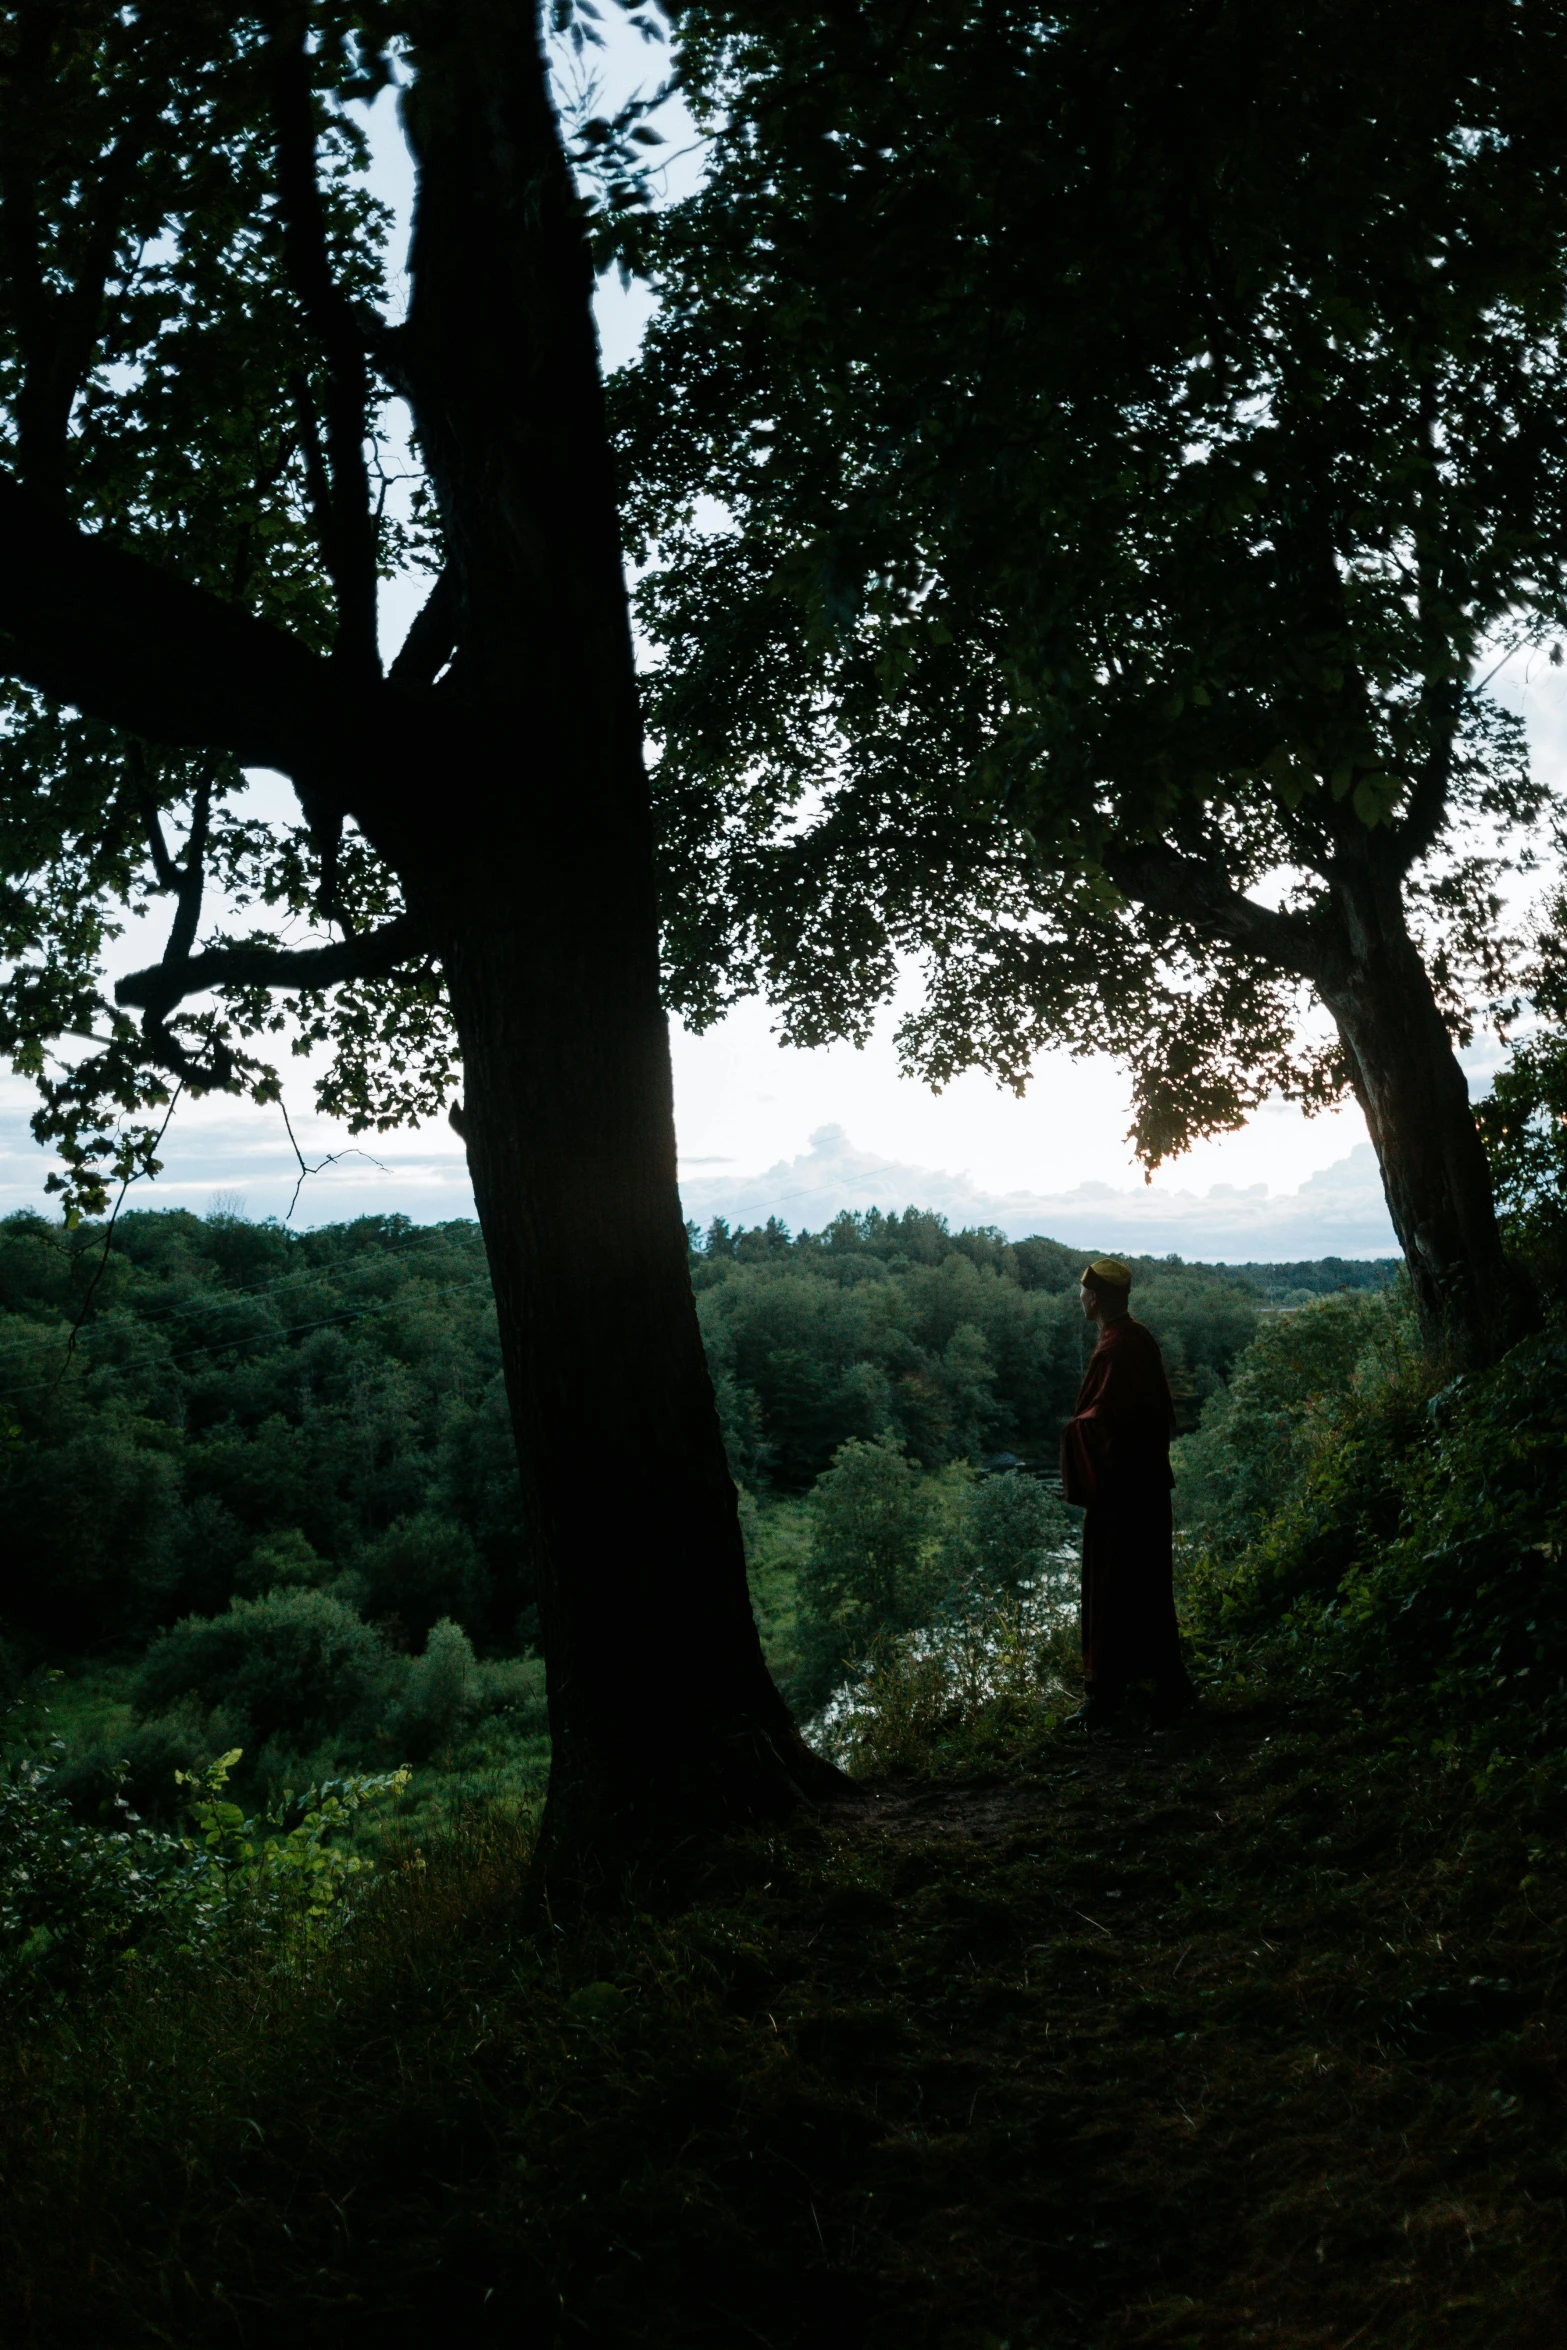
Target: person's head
column 1106, row 1290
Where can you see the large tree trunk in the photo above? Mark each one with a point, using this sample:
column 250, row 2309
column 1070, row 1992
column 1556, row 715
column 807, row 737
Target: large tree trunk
column 542, row 893
column 1415, row 1097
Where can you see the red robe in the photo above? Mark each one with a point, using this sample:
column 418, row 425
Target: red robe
column 1115, row 1463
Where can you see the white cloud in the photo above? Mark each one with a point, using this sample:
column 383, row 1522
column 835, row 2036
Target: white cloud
column 1339, row 1211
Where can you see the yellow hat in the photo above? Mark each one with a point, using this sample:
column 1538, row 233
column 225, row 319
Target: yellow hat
column 1110, row 1271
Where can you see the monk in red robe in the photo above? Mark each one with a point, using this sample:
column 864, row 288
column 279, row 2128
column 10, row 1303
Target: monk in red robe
column 1115, row 1463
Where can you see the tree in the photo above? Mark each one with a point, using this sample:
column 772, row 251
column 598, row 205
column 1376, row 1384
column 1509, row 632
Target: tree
column 200, row 378
column 1130, row 433
column 864, row 1574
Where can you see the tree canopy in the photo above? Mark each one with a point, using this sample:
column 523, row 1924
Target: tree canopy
column 1085, row 464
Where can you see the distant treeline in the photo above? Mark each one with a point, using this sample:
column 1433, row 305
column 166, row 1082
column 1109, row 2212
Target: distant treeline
column 244, row 1408
column 960, row 1343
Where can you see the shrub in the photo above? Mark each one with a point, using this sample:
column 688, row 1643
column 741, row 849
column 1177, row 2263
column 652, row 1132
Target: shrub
column 441, row 1691
column 73, row 1896
column 1466, row 1611
column 991, row 1664
column 1295, row 1474
column 421, row 1569
column 141, row 1766
column 294, row 1665
column 77, row 1900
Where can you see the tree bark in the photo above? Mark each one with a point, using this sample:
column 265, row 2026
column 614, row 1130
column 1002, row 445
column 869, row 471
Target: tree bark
column 539, row 885
column 1407, row 1080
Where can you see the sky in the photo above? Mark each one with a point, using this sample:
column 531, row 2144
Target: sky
column 767, row 1129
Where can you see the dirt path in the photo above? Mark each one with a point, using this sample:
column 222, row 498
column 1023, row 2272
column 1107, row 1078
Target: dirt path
column 1218, row 2037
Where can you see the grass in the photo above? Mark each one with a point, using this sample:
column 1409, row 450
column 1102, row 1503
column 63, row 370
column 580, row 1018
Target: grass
column 1248, row 2035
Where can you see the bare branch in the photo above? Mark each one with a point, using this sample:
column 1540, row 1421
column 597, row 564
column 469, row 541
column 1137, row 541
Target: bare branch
column 373, row 955
column 351, row 1151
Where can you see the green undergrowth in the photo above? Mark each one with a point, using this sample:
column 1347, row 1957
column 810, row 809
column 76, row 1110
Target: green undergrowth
column 1246, row 2034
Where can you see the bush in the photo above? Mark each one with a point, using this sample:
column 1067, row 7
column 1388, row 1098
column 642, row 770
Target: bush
column 77, row 1900
column 1466, row 1611
column 73, row 1897
column 141, row 1765
column 442, row 1690
column 992, row 1666
column 1295, row 1471
column 421, row 1569
column 294, row 1665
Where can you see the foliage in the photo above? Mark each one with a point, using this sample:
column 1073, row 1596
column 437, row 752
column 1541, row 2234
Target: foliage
column 1282, row 1417
column 1467, row 1608
column 424, row 1567
column 74, row 1896
column 295, row 1665
column 1085, row 2026
column 954, row 1343
column 247, row 1409
column 1523, row 1120
column 79, row 1900
column 149, row 296
column 445, row 1686
column 868, row 1570
column 1025, row 597
column 994, row 1667
column 286, row 1874
column 194, row 363
column 1011, row 1531
column 1407, row 1546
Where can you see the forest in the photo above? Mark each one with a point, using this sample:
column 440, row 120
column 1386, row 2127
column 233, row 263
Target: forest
column 259, row 1488
column 554, row 1785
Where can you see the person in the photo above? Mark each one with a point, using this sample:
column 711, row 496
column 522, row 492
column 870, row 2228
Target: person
column 1115, row 1464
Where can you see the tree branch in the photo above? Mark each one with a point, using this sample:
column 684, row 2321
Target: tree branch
column 152, row 823
column 432, row 640
column 1188, row 890
column 349, row 543
column 373, row 955
column 111, row 634
column 1427, row 810
column 58, row 331
column 192, row 876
